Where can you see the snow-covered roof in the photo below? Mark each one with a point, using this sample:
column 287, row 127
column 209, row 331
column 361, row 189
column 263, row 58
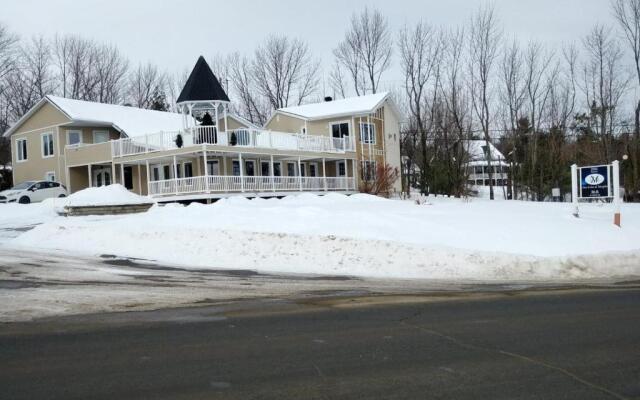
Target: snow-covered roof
column 131, row 121
column 335, row 108
column 476, row 151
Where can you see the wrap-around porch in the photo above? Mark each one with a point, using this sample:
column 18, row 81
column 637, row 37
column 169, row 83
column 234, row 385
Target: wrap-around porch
column 214, row 174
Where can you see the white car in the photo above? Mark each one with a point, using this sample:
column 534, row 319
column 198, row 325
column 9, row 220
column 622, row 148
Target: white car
column 32, row 191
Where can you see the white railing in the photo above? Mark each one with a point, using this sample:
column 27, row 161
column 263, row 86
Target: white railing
column 254, row 138
column 251, row 184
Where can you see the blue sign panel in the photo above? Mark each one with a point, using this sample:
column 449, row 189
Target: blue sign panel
column 594, row 182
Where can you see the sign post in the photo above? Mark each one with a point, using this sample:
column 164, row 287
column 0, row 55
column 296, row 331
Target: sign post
column 574, row 190
column 597, row 182
column 615, row 167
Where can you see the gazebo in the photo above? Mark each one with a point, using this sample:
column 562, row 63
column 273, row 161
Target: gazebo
column 203, row 102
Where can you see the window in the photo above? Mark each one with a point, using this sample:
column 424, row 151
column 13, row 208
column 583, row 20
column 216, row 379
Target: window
column 166, row 169
column 478, row 170
column 303, row 170
column 100, row 136
column 277, row 169
column 313, row 170
column 340, row 129
column 367, row 133
column 178, row 171
column 21, row 152
column 156, row 173
column 47, row 145
column 291, row 169
column 50, row 176
column 74, row 137
column 368, row 170
column 188, row 170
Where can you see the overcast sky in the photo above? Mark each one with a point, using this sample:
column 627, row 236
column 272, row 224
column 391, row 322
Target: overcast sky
column 173, row 33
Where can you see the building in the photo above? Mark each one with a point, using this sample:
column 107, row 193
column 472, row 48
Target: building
column 478, row 165
column 205, row 151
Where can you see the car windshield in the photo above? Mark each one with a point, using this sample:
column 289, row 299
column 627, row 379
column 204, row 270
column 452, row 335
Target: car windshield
column 23, row 185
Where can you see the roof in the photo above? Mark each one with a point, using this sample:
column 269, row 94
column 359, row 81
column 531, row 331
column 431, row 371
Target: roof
column 242, row 121
column 475, row 148
column 131, row 121
column 202, row 85
column 337, row 108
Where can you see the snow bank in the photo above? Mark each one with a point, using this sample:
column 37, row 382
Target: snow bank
column 105, row 196
column 366, row 236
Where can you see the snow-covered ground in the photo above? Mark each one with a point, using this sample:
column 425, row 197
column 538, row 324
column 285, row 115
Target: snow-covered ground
column 360, row 235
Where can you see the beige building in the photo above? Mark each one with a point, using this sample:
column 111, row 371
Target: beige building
column 205, row 151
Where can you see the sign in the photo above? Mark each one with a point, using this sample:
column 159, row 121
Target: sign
column 594, row 182
column 597, row 182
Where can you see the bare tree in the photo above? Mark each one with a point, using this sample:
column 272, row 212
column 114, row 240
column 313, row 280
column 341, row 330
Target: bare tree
column 8, row 49
column 366, row 50
column 604, row 83
column 284, row 71
column 74, row 57
column 627, row 13
column 484, row 39
column 145, row 83
column 337, row 80
column 249, row 102
column 110, row 70
column 420, row 49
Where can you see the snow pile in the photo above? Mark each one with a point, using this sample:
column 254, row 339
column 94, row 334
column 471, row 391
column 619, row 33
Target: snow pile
column 366, row 236
column 105, row 196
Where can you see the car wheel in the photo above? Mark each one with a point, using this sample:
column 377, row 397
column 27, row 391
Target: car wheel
column 62, row 195
column 24, row 200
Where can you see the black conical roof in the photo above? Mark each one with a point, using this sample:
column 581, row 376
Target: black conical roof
column 202, row 85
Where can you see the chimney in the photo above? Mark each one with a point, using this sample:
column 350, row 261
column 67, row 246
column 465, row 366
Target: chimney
column 328, row 99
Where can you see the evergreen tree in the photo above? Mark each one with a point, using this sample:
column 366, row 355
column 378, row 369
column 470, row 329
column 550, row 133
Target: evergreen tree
column 159, row 101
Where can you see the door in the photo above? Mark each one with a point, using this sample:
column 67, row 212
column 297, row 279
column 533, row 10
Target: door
column 341, row 169
column 213, row 168
column 101, row 177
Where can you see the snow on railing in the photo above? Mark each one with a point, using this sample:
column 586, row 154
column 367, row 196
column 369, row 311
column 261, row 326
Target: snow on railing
column 244, row 137
column 228, row 184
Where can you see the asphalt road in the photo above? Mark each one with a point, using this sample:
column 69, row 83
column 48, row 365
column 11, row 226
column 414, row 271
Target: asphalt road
column 564, row 344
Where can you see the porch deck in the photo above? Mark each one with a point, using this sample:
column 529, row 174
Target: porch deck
column 220, row 186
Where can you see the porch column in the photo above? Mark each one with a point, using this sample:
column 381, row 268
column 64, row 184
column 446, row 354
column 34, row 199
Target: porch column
column 175, row 173
column 241, row 172
column 90, row 177
column 206, row 171
column 148, row 178
column 346, row 174
column 224, row 164
column 324, row 174
column 226, row 123
column 217, row 123
column 113, row 172
column 300, row 173
column 122, row 174
column 273, row 174
column 139, row 181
